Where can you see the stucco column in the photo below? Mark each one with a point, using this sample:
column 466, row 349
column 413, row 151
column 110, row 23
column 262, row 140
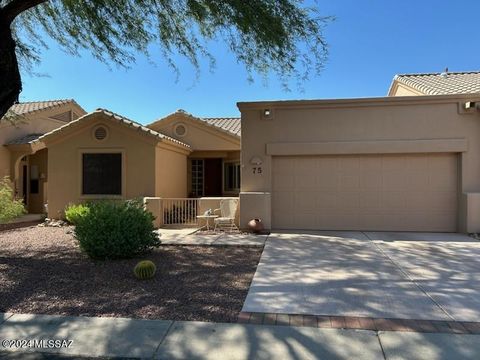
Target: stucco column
column 154, row 205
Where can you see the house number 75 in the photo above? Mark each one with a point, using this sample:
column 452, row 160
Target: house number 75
column 257, row 170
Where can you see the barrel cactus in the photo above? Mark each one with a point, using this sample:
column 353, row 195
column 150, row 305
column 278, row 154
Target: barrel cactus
column 145, row 270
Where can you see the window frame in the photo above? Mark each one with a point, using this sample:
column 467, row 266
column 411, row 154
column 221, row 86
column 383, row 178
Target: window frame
column 123, row 179
column 227, row 163
column 202, row 161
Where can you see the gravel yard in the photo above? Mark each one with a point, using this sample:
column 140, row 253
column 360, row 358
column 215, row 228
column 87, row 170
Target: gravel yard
column 43, row 271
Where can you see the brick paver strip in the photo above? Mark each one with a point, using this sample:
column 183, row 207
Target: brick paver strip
column 310, row 321
column 296, row 320
column 256, row 318
column 283, row 319
column 324, row 322
column 365, row 323
column 410, row 325
column 472, row 327
column 457, row 327
column 385, row 324
column 338, row 322
column 425, row 326
column 353, row 322
column 270, row 319
column 244, row 317
column 442, row 326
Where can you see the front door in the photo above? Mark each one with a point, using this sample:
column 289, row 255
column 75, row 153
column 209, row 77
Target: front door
column 213, row 177
column 24, row 183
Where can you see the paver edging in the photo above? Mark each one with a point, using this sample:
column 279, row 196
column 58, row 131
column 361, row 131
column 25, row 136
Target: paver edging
column 360, row 323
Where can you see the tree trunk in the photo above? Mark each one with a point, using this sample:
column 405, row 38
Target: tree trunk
column 10, row 81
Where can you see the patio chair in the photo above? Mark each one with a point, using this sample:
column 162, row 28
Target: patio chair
column 226, row 220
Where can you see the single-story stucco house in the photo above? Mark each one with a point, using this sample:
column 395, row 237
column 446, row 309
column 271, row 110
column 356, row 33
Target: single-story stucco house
column 409, row 161
column 104, row 155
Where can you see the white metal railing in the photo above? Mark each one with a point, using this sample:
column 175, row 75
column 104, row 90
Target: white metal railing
column 180, row 211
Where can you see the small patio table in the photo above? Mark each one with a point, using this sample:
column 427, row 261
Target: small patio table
column 207, row 220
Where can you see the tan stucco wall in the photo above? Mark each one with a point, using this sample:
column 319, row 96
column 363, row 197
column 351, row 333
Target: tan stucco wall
column 171, row 173
column 64, row 163
column 200, row 136
column 331, row 126
column 36, row 201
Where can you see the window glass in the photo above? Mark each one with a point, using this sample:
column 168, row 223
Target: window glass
column 231, row 176
column 197, row 177
column 102, row 174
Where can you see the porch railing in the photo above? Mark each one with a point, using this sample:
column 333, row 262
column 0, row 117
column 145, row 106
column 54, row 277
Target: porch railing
column 180, row 211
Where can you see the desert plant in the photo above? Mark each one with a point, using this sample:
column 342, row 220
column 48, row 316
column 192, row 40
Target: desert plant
column 10, row 207
column 75, row 212
column 145, row 270
column 112, row 230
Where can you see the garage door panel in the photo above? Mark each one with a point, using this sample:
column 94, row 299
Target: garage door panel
column 415, row 192
column 417, row 180
column 283, row 181
column 393, row 200
column 347, row 182
column 305, row 182
column 305, row 201
column 348, row 201
column 326, row 200
column 394, row 163
column 394, row 180
column 349, row 165
column 369, row 179
column 441, row 183
column 417, row 163
column 370, row 200
column 284, row 200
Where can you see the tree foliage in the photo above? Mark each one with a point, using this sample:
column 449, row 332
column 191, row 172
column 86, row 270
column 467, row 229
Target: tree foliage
column 278, row 35
column 282, row 36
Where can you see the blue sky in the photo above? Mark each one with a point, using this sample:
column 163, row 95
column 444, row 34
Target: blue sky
column 370, row 41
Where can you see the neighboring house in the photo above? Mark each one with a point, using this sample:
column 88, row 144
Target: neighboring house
column 104, row 155
column 446, row 83
column 394, row 163
column 24, row 163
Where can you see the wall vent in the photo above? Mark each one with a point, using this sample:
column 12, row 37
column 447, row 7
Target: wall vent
column 100, row 133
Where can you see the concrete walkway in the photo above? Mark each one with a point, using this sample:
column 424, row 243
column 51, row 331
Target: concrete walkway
column 194, row 238
column 159, row 339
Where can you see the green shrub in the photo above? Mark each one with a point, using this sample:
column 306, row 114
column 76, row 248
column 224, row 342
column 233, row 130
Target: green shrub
column 113, row 230
column 10, row 208
column 74, row 213
column 145, row 270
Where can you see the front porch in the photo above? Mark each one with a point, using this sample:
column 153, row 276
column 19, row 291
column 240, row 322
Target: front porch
column 182, row 212
column 213, row 174
column 28, row 172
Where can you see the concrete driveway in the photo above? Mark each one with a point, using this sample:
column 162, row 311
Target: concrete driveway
column 430, row 276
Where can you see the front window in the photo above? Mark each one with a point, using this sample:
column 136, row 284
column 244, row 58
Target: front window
column 102, row 174
column 197, row 177
column 231, row 177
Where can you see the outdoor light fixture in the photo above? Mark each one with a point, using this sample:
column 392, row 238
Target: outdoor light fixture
column 470, row 105
column 267, row 113
column 256, row 161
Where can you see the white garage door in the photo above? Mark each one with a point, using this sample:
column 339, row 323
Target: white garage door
column 365, row 192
